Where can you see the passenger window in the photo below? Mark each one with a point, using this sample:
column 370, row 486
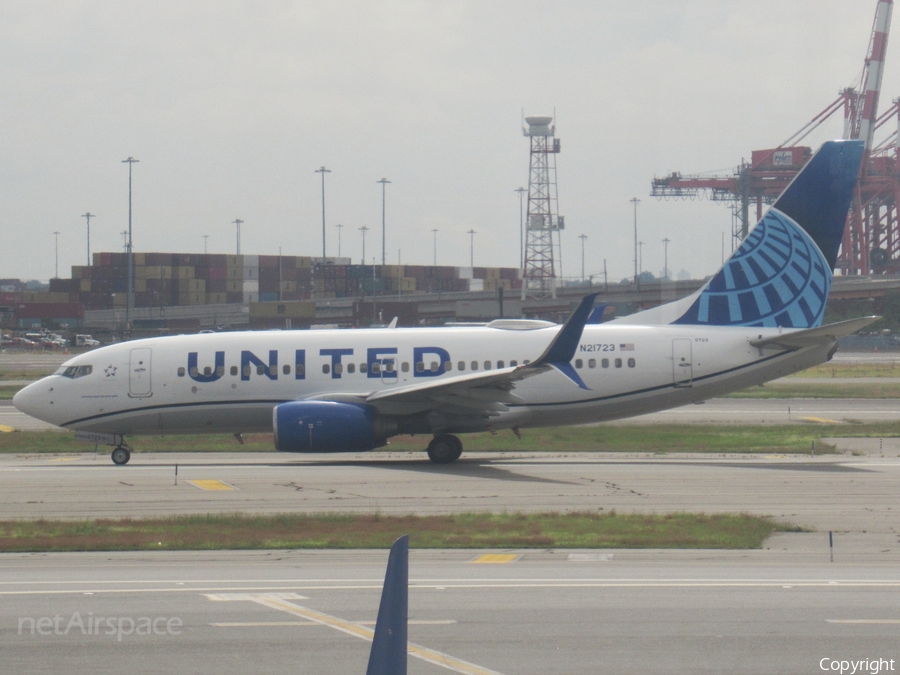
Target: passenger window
column 526, row 361
column 500, row 364
column 631, row 363
column 405, row 367
column 351, row 368
column 260, row 370
column 363, row 367
column 301, row 369
column 434, row 366
column 286, row 369
column 618, row 363
column 338, row 368
column 181, row 371
column 579, row 363
column 194, row 371
column 605, row 363
column 326, row 368
column 220, row 371
column 448, row 366
column 420, row 367
column 247, row 371
column 376, row 367
column 474, row 365
column 234, row 370
column 487, row 365
column 513, row 363
column 592, row 363
column 389, row 367
column 207, row 371
column 461, row 366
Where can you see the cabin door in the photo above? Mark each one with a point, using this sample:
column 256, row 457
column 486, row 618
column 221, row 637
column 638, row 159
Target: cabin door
column 139, row 385
column 682, row 362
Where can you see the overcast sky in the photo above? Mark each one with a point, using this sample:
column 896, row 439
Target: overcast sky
column 232, row 106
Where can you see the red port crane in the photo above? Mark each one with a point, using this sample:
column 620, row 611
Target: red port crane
column 872, row 239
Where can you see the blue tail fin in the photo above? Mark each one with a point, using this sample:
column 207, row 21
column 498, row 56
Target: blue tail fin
column 388, row 654
column 781, row 273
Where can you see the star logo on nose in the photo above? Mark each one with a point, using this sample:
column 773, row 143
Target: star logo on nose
column 110, row 371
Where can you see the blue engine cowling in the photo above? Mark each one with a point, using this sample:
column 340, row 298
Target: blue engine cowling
column 324, row 426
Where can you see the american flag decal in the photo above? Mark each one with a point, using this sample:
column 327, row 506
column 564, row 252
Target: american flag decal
column 627, row 347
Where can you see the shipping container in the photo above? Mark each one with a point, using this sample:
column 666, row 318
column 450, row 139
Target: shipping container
column 781, row 158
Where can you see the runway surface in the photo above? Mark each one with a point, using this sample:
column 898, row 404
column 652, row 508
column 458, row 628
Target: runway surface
column 544, row 612
column 782, row 609
column 833, row 492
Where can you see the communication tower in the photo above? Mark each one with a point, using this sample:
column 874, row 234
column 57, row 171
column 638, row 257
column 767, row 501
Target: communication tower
column 542, row 219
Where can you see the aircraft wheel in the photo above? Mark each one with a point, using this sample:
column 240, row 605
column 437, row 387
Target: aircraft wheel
column 444, row 449
column 120, row 456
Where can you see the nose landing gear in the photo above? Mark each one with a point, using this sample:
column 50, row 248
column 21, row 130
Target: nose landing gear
column 120, row 455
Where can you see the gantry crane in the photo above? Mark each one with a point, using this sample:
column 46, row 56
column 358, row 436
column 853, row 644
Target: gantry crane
column 872, row 237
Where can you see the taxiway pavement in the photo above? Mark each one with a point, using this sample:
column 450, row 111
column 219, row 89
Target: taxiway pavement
column 541, row 613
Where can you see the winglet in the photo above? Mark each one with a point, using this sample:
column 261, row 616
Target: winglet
column 388, row 654
column 564, row 345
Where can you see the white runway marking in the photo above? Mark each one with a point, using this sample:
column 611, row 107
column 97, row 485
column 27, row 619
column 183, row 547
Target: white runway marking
column 423, row 653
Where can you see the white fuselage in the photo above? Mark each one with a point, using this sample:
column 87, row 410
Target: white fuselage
column 230, row 382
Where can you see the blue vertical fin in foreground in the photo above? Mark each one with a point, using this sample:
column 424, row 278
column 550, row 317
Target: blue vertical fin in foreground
column 388, row 654
column 781, row 273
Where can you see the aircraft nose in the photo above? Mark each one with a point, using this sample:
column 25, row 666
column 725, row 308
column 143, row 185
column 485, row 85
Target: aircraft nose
column 32, row 399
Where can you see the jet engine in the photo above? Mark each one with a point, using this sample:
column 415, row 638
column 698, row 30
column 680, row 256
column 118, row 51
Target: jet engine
column 327, row 426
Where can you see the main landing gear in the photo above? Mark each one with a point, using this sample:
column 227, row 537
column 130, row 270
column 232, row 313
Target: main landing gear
column 120, row 455
column 444, row 449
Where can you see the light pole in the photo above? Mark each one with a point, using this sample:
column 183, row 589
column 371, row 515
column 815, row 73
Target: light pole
column 322, row 170
column 635, row 201
column 205, row 242
column 364, row 229
column 582, row 237
column 521, row 192
column 237, row 223
column 124, row 234
column 56, row 245
column 472, row 234
column 384, row 182
column 640, row 258
column 434, row 232
column 339, row 228
column 88, row 217
column 129, row 253
column 666, row 258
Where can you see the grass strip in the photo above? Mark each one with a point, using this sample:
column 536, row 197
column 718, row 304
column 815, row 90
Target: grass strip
column 839, row 370
column 828, row 389
column 656, row 438
column 325, row 531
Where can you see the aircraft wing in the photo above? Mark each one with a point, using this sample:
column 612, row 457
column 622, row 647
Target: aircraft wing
column 480, row 394
column 812, row 337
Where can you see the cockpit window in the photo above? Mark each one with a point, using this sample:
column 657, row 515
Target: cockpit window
column 74, row 372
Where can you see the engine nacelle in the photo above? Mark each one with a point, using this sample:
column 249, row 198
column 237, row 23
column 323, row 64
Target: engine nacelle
column 325, row 426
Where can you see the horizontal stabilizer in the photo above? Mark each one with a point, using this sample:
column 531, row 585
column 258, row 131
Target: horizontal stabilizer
column 814, row 336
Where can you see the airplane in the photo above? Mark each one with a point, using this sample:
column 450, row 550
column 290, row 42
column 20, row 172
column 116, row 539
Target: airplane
column 757, row 319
